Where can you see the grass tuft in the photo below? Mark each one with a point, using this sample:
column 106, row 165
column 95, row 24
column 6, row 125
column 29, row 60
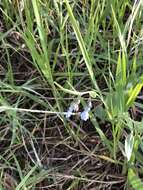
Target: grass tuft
column 71, row 94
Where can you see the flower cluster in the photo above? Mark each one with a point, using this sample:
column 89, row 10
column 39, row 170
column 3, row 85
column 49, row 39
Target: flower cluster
column 84, row 115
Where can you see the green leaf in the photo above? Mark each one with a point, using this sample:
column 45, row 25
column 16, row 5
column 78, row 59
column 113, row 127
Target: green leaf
column 134, row 180
column 133, row 94
column 129, row 143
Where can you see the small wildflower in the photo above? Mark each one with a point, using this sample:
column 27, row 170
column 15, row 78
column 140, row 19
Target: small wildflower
column 84, row 115
column 68, row 114
column 73, row 107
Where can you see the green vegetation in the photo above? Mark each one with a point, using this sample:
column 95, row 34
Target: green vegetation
column 71, row 102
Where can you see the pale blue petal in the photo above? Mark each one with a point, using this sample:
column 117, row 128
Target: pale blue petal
column 68, row 114
column 84, row 115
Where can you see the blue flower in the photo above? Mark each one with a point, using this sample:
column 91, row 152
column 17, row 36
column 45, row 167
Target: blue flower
column 68, row 114
column 84, row 115
column 73, row 107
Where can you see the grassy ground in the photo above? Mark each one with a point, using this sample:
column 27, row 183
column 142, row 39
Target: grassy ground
column 71, row 95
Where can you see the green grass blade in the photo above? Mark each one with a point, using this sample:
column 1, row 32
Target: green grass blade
column 81, row 44
column 134, row 180
column 133, row 94
column 23, row 182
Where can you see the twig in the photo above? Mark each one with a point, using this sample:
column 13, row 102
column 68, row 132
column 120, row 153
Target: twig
column 6, row 108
